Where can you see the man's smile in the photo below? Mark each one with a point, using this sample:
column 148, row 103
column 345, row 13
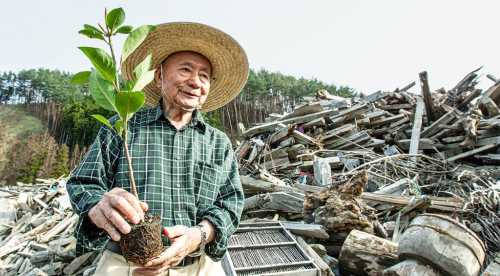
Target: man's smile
column 189, row 94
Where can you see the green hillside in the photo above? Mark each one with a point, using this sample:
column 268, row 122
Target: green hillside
column 20, row 124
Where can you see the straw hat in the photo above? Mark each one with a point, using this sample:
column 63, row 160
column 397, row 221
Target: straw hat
column 228, row 59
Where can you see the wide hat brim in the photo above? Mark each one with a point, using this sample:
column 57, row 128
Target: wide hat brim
column 229, row 61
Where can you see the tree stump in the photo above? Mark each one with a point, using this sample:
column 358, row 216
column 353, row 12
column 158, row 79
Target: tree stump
column 340, row 209
column 365, row 254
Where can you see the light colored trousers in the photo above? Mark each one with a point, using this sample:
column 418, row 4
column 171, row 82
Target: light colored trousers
column 115, row 265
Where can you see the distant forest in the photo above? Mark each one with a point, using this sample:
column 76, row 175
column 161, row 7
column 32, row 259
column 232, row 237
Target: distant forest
column 67, row 108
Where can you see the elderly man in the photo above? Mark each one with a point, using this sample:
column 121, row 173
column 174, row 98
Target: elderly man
column 185, row 170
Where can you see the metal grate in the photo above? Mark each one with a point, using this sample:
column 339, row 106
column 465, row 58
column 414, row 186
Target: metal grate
column 266, row 249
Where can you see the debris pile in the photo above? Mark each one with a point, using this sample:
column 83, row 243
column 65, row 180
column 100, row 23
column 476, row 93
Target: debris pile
column 373, row 165
column 36, row 231
column 378, row 185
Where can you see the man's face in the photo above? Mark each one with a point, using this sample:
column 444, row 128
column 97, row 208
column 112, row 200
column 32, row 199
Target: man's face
column 186, row 78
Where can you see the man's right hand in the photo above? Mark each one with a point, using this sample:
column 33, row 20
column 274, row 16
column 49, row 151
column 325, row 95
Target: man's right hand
column 110, row 211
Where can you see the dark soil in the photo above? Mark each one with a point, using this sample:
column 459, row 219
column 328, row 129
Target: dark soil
column 143, row 243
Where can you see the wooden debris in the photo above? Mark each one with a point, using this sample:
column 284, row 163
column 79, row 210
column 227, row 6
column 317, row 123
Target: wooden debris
column 366, row 254
column 307, row 230
column 311, row 166
column 339, row 210
column 411, row 268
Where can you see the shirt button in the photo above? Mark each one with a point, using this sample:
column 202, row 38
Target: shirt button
column 178, row 185
column 178, row 157
column 179, row 215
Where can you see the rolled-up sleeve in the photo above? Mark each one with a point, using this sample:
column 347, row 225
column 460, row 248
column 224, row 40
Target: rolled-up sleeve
column 226, row 211
column 87, row 185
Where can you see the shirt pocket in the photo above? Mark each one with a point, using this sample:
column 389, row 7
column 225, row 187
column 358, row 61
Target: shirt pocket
column 206, row 182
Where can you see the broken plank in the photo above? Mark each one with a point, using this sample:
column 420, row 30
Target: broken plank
column 396, row 188
column 362, row 122
column 257, row 201
column 417, row 128
column 315, row 122
column 288, row 142
column 435, row 127
column 400, row 122
column 358, row 143
column 342, row 141
column 375, row 97
column 465, row 102
column 302, row 138
column 455, row 139
column 296, row 150
column 376, row 114
column 380, row 131
column 325, row 269
column 23, row 201
column 395, row 106
column 264, row 186
column 479, row 143
column 58, row 228
column 297, row 120
column 266, row 176
column 488, row 105
column 419, row 204
column 424, row 143
column 306, row 230
column 431, row 117
column 286, row 202
column 338, row 131
column 76, row 263
column 385, row 121
column 493, row 93
column 275, row 154
column 302, row 110
column 281, row 134
column 308, row 188
column 471, row 152
column 276, row 163
column 351, row 112
column 439, row 204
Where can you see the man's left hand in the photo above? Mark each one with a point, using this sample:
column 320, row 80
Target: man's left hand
column 183, row 241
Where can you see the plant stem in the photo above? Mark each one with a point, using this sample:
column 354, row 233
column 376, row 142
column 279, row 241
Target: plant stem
column 114, row 59
column 129, row 162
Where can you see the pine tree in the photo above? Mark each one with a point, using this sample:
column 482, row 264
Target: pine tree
column 62, row 160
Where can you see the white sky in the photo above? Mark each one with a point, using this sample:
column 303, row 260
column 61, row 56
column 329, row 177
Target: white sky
column 367, row 45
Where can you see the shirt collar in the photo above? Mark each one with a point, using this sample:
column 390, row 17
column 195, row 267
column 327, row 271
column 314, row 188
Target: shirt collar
column 157, row 114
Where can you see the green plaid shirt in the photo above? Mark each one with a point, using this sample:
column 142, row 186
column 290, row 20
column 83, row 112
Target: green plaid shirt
column 184, row 175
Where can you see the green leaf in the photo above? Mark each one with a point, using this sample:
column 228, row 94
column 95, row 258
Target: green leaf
column 143, row 67
column 90, row 27
column 91, row 34
column 81, row 77
column 120, row 127
column 115, row 18
column 101, row 61
column 129, row 85
column 144, row 80
column 135, row 39
column 128, row 102
column 102, row 91
column 102, row 120
column 125, row 29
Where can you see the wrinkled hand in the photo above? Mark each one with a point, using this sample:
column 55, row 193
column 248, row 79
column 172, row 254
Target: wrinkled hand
column 183, row 241
column 110, row 211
